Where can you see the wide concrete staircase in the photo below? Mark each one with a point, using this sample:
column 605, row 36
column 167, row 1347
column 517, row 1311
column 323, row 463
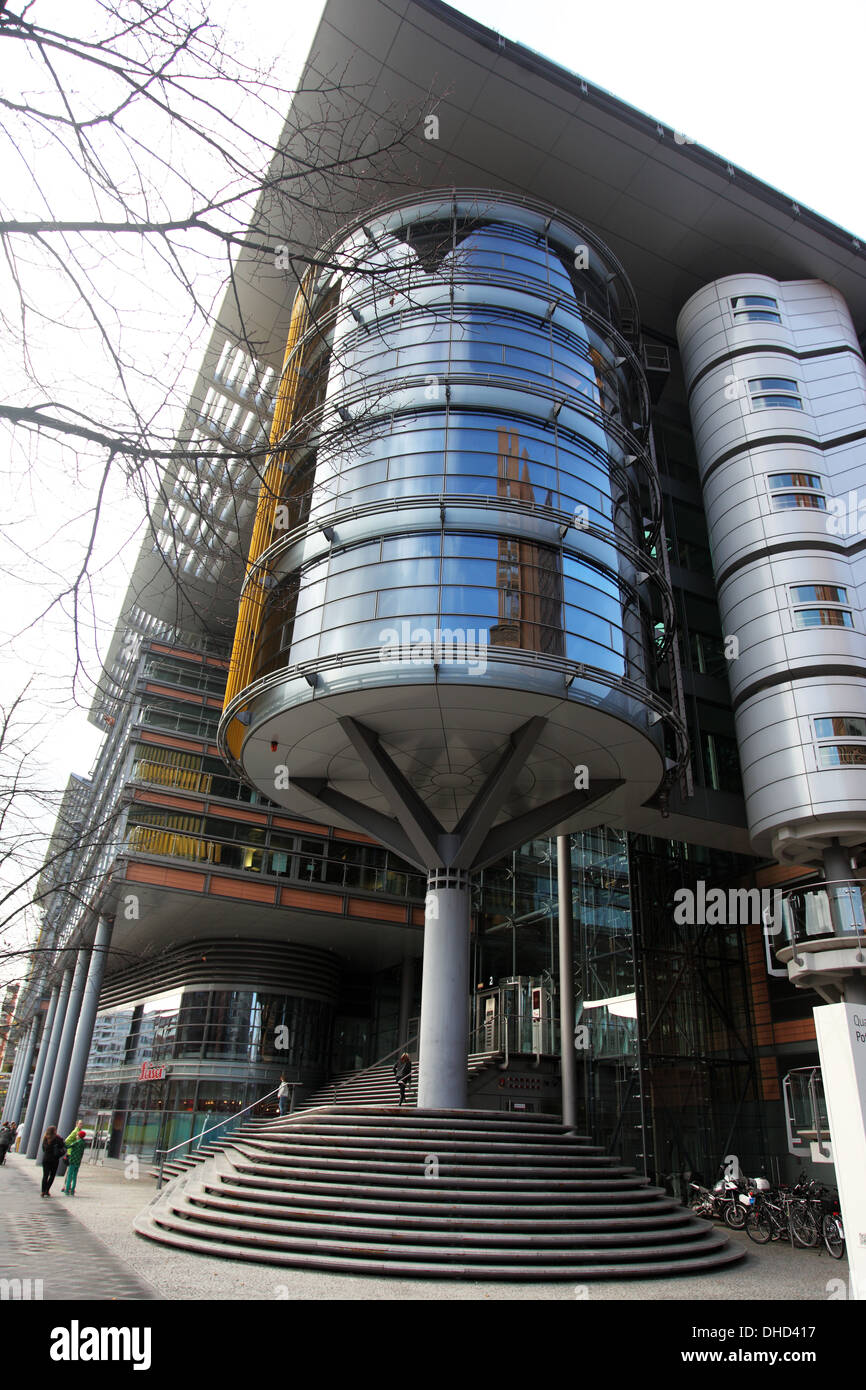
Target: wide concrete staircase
column 465, row 1194
column 376, row 1085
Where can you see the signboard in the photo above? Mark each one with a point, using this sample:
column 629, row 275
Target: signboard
column 841, row 1030
column 151, row 1073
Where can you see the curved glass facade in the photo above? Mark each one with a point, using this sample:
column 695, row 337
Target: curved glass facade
column 466, row 456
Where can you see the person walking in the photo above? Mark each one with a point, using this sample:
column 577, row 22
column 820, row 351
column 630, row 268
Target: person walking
column 75, row 1147
column 53, row 1149
column 283, row 1094
column 7, row 1138
column 403, row 1074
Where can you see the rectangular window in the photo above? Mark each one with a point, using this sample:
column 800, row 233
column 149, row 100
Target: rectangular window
column 810, row 480
column 846, row 725
column 818, row 593
column 755, row 308
column 823, row 617
column 842, row 754
column 809, row 494
column 774, row 393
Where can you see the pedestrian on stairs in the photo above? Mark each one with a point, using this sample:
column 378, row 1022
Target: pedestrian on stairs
column 283, row 1092
column 403, row 1074
column 75, row 1147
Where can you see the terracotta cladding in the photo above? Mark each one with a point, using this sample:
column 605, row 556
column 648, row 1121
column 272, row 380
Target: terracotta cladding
column 155, row 799
column 383, row 912
column 237, row 888
column 186, row 695
column 315, row 902
column 798, row 1030
column 164, row 877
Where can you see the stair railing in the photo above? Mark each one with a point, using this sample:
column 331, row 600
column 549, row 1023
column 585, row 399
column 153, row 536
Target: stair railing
column 399, row 1050
column 163, row 1153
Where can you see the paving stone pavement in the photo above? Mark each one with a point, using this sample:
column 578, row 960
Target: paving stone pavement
column 42, row 1242
column 88, row 1243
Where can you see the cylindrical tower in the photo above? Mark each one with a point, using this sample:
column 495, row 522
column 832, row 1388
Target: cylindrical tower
column 452, row 619
column 778, row 401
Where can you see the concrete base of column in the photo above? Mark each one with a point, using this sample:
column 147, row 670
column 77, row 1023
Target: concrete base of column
column 444, row 1030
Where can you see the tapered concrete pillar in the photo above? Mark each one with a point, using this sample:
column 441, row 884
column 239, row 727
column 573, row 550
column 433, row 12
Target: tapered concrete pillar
column 35, row 1136
column 444, row 1032
column 407, row 994
column 67, row 1039
column 12, row 1083
column 26, row 1051
column 84, row 1031
column 566, row 981
column 40, row 1068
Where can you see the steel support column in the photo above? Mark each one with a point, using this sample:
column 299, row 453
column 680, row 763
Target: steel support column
column 40, row 1104
column 67, row 1039
column 444, row 1031
column 12, row 1083
column 40, row 1068
column 566, row 981
column 84, row 1031
column 27, row 1047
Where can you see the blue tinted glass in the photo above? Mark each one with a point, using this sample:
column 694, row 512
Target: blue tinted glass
column 410, row 547
column 468, row 571
column 353, row 556
column 463, row 599
column 482, row 546
column 395, row 603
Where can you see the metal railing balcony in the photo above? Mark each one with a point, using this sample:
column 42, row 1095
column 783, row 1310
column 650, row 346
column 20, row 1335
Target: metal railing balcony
column 833, row 908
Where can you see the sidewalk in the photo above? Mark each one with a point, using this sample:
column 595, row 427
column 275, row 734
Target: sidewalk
column 84, row 1247
column 41, row 1241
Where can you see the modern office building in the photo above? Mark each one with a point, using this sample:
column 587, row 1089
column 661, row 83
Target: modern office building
column 558, row 536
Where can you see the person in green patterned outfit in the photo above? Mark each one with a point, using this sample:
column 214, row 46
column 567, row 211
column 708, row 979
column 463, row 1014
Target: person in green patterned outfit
column 75, row 1147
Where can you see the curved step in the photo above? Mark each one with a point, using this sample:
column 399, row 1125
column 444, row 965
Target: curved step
column 516, row 1197
column 339, row 1263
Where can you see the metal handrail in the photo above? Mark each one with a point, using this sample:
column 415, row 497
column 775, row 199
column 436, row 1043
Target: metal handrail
column 401, row 1047
column 838, row 892
column 165, row 1152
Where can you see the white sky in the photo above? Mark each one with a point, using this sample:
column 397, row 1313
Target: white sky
column 776, row 88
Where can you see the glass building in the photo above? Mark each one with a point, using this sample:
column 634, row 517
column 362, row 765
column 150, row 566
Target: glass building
column 563, row 425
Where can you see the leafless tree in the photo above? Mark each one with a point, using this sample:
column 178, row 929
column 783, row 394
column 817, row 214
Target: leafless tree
column 146, row 160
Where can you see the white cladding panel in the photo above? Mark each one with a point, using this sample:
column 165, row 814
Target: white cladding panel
column 779, row 416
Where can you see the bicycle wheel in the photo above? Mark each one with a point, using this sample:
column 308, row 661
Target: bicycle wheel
column 735, row 1216
column 804, row 1226
column 834, row 1240
column 759, row 1226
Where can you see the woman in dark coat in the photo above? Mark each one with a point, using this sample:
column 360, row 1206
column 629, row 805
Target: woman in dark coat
column 53, row 1149
column 403, row 1074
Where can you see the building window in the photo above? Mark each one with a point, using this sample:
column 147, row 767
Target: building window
column 831, row 613
column 849, row 726
column 755, row 308
column 809, row 492
column 823, row 617
column 721, row 763
column 774, row 393
column 818, row 593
